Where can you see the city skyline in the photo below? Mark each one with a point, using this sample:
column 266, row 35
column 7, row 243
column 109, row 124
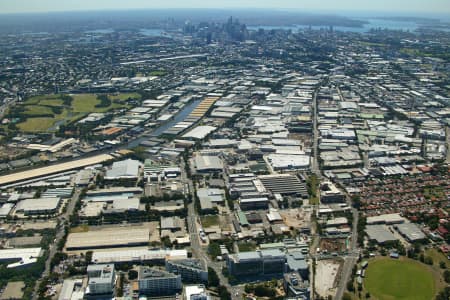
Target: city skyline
column 415, row 7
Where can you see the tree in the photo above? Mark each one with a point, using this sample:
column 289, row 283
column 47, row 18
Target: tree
column 444, row 294
column 224, row 294
column 214, row 249
column 213, row 279
column 422, row 257
column 88, row 257
column 428, row 260
column 350, row 286
column 442, row 265
column 346, row 297
column 132, row 274
column 264, row 291
column 447, row 276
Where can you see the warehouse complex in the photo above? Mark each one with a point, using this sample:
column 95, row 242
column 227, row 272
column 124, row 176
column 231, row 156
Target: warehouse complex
column 129, row 236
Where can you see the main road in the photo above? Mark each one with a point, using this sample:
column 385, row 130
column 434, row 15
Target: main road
column 197, row 249
column 60, row 233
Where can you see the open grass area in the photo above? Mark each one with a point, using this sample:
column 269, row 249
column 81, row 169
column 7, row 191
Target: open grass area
column 67, row 109
column 124, row 96
column 78, row 229
column 39, row 99
column 38, row 110
column 313, row 187
column 88, row 102
column 246, row 246
column 158, row 73
column 51, row 102
column 437, row 257
column 85, row 103
column 389, row 279
column 36, row 124
column 209, row 221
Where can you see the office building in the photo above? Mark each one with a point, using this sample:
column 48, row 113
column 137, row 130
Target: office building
column 191, row 270
column 254, row 263
column 101, row 281
column 156, row 282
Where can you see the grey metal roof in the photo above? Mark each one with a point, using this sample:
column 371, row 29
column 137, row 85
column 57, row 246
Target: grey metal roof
column 379, row 233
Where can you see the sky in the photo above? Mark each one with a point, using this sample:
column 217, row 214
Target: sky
column 401, row 6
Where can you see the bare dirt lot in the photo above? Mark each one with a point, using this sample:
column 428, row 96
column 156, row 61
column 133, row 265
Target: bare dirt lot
column 325, row 279
column 332, row 245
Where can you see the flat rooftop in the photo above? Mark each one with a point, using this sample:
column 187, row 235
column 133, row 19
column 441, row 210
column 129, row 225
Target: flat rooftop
column 126, row 236
column 24, row 256
column 283, row 184
column 129, row 255
column 58, row 168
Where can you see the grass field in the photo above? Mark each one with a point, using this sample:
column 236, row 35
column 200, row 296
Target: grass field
column 208, row 221
column 38, row 110
column 36, row 124
column 51, row 102
column 81, row 105
column 85, row 103
column 404, row 279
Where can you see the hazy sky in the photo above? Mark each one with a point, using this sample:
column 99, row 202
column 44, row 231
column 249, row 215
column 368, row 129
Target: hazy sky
column 403, row 6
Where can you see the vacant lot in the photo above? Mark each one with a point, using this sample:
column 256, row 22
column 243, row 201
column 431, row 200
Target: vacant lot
column 209, row 221
column 247, row 246
column 325, row 281
column 81, row 228
column 388, row 279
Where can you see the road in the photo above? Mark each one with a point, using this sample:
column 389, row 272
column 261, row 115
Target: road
column 53, row 248
column 315, row 169
column 315, row 163
column 198, row 250
column 351, row 259
column 447, row 136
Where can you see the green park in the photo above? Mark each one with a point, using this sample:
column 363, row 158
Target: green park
column 44, row 113
column 404, row 279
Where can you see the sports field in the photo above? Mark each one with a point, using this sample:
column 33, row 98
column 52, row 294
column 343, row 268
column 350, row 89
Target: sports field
column 405, row 279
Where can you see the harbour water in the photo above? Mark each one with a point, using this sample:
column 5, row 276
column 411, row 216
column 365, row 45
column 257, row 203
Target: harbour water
column 372, row 23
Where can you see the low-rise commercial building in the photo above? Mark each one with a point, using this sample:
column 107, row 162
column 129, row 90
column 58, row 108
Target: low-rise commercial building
column 125, row 169
column 20, row 257
column 129, row 236
column 329, row 193
column 195, row 292
column 263, row 262
column 380, row 234
column 39, row 206
column 410, row 232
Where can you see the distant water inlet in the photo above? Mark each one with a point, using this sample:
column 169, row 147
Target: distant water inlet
column 371, row 24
